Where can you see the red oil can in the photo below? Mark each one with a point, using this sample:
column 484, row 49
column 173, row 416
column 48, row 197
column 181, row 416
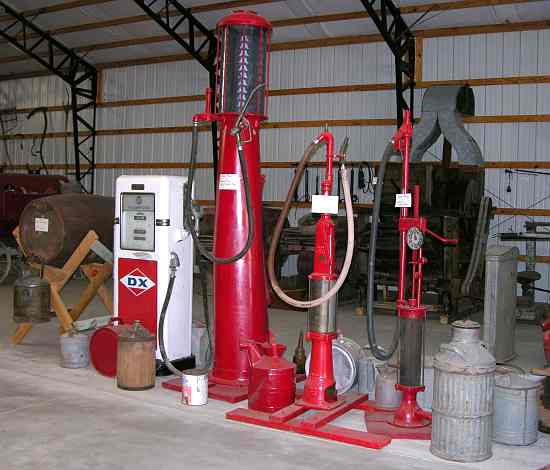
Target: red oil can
column 271, row 384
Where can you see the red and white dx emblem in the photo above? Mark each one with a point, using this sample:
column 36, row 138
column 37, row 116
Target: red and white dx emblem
column 137, row 282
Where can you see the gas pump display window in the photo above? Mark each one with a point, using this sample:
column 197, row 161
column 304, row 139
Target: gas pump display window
column 137, row 231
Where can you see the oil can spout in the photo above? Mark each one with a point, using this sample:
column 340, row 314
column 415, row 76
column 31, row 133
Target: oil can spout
column 253, row 350
column 274, row 349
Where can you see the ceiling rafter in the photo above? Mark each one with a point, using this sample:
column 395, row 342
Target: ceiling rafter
column 288, row 22
column 57, row 8
column 126, row 20
column 405, row 10
column 316, row 43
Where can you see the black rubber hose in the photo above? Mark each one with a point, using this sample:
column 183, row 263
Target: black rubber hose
column 44, row 112
column 188, row 221
column 162, row 317
column 204, row 288
column 377, row 352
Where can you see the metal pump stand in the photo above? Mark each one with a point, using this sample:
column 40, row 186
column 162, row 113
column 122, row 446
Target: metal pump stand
column 408, row 421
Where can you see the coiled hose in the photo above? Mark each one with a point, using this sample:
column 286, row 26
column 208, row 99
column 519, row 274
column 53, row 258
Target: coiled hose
column 188, row 220
column 378, row 352
column 310, row 151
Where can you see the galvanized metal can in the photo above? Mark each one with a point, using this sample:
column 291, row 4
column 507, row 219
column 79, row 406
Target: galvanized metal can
column 499, row 313
column 346, row 354
column 462, row 410
column 194, row 387
column 387, row 397
column 75, row 351
column 31, row 300
column 367, row 373
column 516, row 417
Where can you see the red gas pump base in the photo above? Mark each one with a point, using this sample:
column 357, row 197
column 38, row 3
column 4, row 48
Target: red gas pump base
column 387, row 422
column 317, row 423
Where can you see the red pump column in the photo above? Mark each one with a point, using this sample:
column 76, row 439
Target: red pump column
column 411, row 312
column 240, row 288
column 320, row 386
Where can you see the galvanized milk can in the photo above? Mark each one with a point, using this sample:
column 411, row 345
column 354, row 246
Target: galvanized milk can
column 31, row 300
column 75, row 352
column 462, row 411
column 516, row 417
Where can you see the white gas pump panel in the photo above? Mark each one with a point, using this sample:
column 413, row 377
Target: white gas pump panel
column 148, row 229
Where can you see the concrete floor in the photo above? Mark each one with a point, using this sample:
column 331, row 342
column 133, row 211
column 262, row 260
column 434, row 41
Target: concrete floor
column 56, row 418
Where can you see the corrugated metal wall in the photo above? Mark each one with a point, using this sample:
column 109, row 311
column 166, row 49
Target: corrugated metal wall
column 479, row 56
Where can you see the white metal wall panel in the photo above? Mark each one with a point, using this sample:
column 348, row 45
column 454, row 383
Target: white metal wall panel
column 461, row 57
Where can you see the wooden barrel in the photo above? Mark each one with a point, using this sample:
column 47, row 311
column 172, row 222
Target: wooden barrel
column 52, row 227
column 136, row 364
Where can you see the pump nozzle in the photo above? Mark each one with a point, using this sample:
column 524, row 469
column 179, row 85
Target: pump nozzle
column 344, row 148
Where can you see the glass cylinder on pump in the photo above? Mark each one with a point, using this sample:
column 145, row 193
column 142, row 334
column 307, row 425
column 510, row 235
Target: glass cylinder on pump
column 243, row 63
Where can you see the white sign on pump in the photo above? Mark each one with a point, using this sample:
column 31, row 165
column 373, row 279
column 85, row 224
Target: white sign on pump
column 324, row 204
column 230, row 181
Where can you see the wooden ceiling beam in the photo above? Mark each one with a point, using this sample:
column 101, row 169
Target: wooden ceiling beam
column 57, row 8
column 358, row 87
column 126, row 20
column 410, row 9
column 349, row 40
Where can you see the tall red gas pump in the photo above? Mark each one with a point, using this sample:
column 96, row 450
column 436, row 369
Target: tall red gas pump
column 240, row 284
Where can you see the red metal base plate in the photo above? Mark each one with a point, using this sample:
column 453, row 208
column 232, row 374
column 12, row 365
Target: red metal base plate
column 315, row 424
column 222, row 392
column 380, row 422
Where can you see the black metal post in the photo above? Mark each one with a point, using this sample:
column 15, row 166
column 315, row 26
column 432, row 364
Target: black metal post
column 200, row 42
column 80, row 75
column 400, row 40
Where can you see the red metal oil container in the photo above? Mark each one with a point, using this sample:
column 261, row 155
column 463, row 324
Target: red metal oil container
column 272, row 384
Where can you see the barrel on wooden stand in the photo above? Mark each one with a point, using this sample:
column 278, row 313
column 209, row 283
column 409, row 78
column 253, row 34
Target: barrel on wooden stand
column 52, row 227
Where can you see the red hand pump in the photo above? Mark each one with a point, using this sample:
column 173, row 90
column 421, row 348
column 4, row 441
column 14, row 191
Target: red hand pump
column 411, row 312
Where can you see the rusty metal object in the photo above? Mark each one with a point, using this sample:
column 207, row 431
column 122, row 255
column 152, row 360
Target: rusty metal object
column 52, row 227
column 31, row 300
column 136, row 365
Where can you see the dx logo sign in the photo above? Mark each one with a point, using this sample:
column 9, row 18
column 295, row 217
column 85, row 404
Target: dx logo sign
column 137, row 282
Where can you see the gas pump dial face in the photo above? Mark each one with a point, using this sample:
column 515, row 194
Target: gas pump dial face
column 415, row 238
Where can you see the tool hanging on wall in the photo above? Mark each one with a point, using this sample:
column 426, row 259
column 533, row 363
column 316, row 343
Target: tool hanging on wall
column 40, row 151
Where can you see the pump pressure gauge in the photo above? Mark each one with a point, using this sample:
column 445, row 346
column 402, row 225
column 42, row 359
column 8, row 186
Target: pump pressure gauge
column 415, row 238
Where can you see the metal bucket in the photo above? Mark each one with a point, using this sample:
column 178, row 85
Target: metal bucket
column 74, row 348
column 346, row 354
column 31, row 300
column 516, row 417
column 425, row 398
column 387, row 397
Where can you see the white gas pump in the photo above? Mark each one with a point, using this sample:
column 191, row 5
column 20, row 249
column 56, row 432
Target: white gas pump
column 149, row 235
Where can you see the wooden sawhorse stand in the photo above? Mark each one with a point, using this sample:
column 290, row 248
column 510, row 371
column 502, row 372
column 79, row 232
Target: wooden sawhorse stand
column 97, row 274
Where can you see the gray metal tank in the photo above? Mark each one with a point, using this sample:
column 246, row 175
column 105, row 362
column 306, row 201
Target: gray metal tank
column 499, row 313
column 386, row 396
column 462, row 411
column 516, row 417
column 75, row 351
column 31, row 300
